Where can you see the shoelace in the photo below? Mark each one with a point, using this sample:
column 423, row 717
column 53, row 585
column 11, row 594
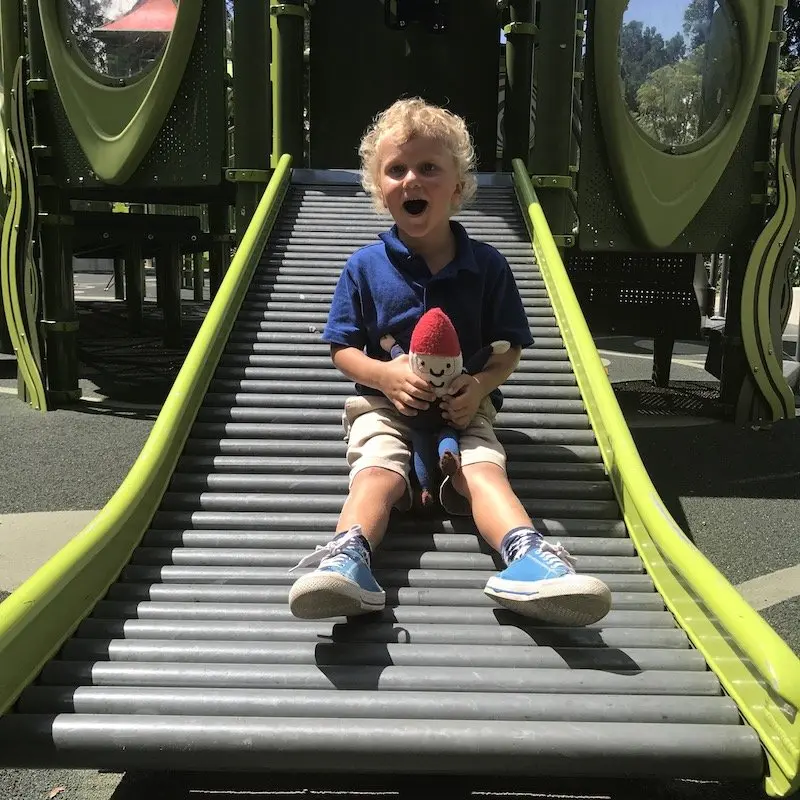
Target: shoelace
column 325, row 554
column 522, row 543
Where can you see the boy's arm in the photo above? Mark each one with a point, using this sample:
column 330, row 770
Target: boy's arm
column 467, row 392
column 497, row 370
column 407, row 391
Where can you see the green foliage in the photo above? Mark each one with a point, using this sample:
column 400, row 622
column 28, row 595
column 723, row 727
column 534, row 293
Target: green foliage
column 84, row 16
column 642, row 51
column 790, row 51
column 670, row 101
column 696, row 22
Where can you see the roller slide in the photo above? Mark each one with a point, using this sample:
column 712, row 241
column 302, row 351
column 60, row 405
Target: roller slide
column 161, row 636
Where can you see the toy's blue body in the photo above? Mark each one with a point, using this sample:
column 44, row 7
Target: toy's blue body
column 435, row 448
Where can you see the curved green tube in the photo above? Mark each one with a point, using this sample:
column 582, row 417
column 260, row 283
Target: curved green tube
column 766, row 366
column 42, row 613
column 10, row 287
column 755, row 666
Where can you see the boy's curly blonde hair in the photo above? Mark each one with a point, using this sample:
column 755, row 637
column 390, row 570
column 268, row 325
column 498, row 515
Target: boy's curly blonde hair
column 415, row 117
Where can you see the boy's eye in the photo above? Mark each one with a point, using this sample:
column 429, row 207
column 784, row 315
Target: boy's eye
column 429, row 167
column 397, row 170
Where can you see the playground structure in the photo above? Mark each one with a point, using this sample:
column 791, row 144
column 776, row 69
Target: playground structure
column 160, row 636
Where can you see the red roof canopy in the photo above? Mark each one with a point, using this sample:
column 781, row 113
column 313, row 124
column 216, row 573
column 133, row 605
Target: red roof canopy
column 146, row 16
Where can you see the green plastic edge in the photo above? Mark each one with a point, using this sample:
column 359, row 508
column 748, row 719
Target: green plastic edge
column 697, row 594
column 26, row 361
column 116, row 125
column 662, row 192
column 11, row 50
column 765, row 367
column 33, row 287
column 45, row 610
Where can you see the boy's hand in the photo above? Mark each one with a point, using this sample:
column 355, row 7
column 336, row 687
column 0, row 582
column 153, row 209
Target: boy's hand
column 462, row 401
column 408, row 392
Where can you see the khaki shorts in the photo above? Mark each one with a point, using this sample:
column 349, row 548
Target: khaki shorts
column 377, row 436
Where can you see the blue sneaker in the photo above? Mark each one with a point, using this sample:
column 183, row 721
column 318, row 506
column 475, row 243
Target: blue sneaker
column 540, row 582
column 342, row 585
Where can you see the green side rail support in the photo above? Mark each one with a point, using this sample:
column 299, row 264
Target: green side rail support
column 755, row 666
column 45, row 610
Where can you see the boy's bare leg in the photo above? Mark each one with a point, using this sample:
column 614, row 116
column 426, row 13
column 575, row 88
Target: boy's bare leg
column 373, row 493
column 343, row 584
column 496, row 509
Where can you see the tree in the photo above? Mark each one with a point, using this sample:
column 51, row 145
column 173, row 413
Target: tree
column 643, row 51
column 669, row 101
column 790, row 51
column 697, row 21
column 84, row 16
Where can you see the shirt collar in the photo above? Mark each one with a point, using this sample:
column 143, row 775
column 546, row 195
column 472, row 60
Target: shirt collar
column 401, row 256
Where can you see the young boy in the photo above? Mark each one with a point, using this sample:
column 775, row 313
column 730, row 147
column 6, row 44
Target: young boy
column 417, row 164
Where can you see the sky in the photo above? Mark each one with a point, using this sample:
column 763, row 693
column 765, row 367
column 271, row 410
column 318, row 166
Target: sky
column 664, row 15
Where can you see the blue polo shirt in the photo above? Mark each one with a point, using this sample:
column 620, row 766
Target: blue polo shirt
column 385, row 288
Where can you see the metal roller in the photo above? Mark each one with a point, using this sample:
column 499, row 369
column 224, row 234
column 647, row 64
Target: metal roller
column 433, row 747
column 541, row 680
column 371, row 705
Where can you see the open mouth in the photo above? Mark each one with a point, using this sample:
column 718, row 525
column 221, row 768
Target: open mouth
column 415, row 207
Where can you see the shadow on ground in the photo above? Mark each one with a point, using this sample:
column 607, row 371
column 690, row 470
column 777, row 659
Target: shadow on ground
column 126, row 367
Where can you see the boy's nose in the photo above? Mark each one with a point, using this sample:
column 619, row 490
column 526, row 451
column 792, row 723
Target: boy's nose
column 411, row 178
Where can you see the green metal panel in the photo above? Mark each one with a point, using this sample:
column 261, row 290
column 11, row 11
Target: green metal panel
column 117, row 124
column 359, row 66
column 662, row 191
column 187, row 151
column 606, row 222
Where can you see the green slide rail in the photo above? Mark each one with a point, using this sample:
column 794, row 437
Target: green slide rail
column 42, row 613
column 756, row 667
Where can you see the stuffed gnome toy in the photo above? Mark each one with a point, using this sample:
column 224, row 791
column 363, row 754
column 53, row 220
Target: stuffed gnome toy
column 435, row 355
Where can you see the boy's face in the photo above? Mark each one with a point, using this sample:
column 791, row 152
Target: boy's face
column 419, row 184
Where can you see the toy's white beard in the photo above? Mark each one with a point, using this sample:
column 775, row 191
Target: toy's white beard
column 439, row 371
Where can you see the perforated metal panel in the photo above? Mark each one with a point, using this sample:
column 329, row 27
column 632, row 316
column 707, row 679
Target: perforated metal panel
column 636, row 293
column 716, row 228
column 188, row 151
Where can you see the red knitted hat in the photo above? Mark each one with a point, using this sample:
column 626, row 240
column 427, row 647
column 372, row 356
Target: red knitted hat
column 434, row 335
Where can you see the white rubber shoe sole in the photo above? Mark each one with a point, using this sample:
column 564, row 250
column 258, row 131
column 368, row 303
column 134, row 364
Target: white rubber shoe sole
column 319, row 595
column 573, row 600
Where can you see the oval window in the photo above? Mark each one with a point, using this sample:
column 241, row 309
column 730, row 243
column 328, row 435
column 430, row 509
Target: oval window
column 119, row 39
column 679, row 67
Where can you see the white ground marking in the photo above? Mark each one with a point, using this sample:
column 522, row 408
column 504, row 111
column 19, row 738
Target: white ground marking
column 769, row 590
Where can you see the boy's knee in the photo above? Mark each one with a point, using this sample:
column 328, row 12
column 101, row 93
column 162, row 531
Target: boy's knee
column 472, row 477
column 379, row 481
